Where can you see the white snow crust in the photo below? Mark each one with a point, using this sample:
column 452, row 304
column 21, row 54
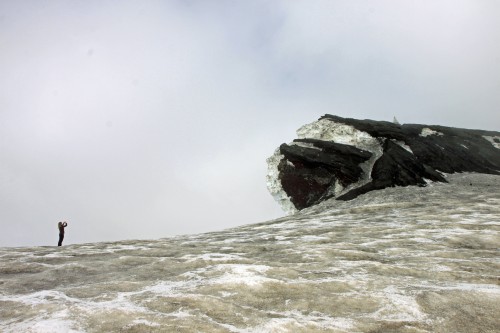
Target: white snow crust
column 492, row 139
column 427, row 131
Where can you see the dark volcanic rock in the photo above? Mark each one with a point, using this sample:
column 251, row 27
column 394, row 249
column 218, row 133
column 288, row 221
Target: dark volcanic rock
column 313, row 168
column 307, row 174
column 396, row 167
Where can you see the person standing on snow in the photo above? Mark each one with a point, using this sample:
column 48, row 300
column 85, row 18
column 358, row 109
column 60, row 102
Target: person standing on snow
column 61, row 226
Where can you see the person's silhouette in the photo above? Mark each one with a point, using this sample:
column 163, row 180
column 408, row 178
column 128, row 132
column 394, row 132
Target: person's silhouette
column 61, row 226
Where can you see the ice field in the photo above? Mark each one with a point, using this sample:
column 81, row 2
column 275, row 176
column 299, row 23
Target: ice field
column 414, row 259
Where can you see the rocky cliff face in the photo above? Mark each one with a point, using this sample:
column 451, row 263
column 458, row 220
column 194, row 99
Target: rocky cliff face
column 343, row 158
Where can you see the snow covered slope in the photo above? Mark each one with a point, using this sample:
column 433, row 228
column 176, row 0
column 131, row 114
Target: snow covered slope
column 401, row 259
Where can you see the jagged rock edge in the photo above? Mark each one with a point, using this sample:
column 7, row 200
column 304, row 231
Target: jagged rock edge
column 343, row 128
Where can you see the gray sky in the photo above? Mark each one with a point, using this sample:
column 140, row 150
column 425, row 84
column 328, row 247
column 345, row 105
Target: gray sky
column 146, row 119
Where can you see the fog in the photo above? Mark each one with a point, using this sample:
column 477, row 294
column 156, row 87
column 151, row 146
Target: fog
column 135, row 120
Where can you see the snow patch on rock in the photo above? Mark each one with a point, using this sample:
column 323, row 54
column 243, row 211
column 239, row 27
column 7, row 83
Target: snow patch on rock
column 305, row 145
column 274, row 186
column 328, row 130
column 427, row 131
column 403, row 145
column 495, row 140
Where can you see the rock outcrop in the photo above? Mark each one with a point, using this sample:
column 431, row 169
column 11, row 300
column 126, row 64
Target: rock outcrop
column 343, row 158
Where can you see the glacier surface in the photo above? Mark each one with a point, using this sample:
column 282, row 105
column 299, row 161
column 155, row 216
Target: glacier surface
column 403, row 259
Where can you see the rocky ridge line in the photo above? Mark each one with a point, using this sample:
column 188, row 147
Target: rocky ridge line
column 343, row 158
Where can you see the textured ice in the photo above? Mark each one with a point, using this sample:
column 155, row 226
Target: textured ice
column 405, row 259
column 251, row 275
column 55, row 323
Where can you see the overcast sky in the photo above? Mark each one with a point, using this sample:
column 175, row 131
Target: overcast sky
column 146, row 119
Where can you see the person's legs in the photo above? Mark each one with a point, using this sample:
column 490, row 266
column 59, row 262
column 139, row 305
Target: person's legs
column 61, row 237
